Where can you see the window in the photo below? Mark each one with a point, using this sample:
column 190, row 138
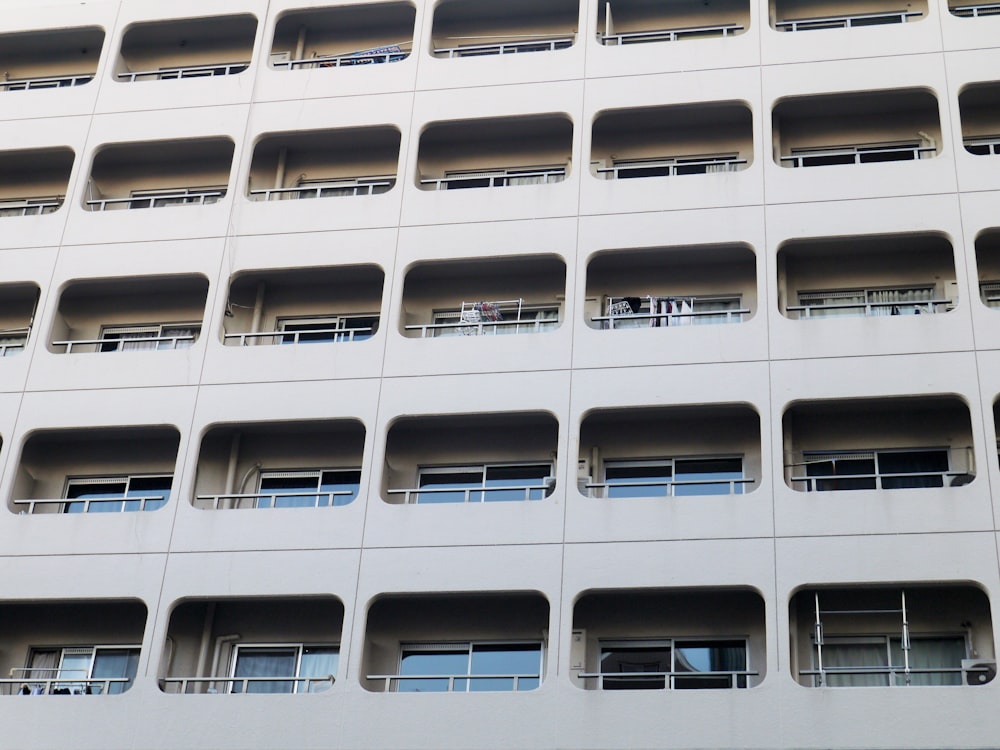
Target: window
column 85, row 670
column 483, row 483
column 678, row 477
column 878, row 660
column 868, row 302
column 31, row 206
column 307, row 489
column 344, row 187
column 326, row 329
column 13, row 341
column 673, row 664
column 468, row 667
column 483, row 178
column 172, row 197
column 117, row 494
column 869, row 470
column 283, row 668
column 990, row 292
column 495, row 319
column 146, row 338
column 657, row 311
column 627, row 169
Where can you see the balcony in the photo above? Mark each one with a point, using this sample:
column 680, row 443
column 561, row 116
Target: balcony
column 495, row 152
column 348, row 162
column 916, row 635
column 677, row 451
column 809, row 15
column 33, row 181
column 979, row 105
column 95, row 470
column 988, row 263
column 18, row 305
column 159, row 174
column 641, row 21
column 878, row 444
column 670, row 287
column 70, row 648
column 658, row 639
column 280, row 465
column 186, row 48
column 339, row 304
column 672, row 141
column 343, row 37
column 455, row 643
column 479, row 28
column 866, row 127
column 137, row 314
column 494, row 297
column 965, row 9
column 50, row 59
column 470, row 458
column 873, row 276
column 260, row 645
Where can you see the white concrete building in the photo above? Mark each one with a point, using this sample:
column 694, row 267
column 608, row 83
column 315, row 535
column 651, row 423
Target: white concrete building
column 415, row 374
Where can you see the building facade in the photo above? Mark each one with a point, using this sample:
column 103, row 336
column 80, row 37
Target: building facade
column 415, row 374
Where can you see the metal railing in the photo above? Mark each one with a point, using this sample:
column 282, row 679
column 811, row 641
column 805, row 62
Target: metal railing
column 27, row 506
column 673, row 167
column 667, row 319
column 31, row 206
column 738, row 679
column 846, row 22
column 870, row 309
column 893, row 674
column 481, row 327
column 160, row 200
column 184, row 71
column 733, row 486
column 121, row 345
column 504, row 48
column 13, row 347
column 45, row 82
column 975, row 11
column 526, row 490
column 499, row 178
column 29, row 684
column 392, row 681
column 294, row 337
column 341, row 61
column 236, row 501
column 879, row 478
column 858, row 155
column 668, row 35
column 239, row 685
column 988, row 144
column 332, row 189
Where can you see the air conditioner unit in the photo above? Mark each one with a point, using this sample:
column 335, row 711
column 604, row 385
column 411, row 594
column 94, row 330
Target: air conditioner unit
column 978, row 671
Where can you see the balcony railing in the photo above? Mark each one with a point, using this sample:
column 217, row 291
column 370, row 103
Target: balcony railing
column 483, row 327
column 975, row 11
column 257, row 500
column 504, row 48
column 982, row 145
column 463, row 682
column 27, row 506
column 45, row 82
column 846, row 22
column 872, row 468
column 160, row 199
column 676, row 318
column 670, row 167
column 188, row 685
column 184, row 71
column 668, row 680
column 31, row 206
column 125, row 344
column 13, row 341
column 668, row 35
column 670, row 487
column 295, row 337
column 475, row 494
column 331, row 189
column 870, row 309
column 387, row 54
column 857, row 155
column 896, row 676
column 29, row 684
column 498, row 178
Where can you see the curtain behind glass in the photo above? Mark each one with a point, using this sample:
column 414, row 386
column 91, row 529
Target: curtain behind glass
column 852, row 656
column 265, row 662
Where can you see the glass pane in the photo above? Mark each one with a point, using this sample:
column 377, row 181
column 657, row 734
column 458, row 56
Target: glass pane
column 450, row 480
column 320, row 662
column 861, row 473
column 856, row 664
column 73, row 667
column 151, row 487
column 516, row 476
column 114, row 489
column 310, row 333
column 125, row 344
column 926, row 469
column 118, row 662
column 833, row 304
column 285, row 491
column 715, row 656
column 421, row 663
column 266, row 663
column 177, row 337
column 930, row 654
column 340, row 481
column 523, row 660
column 359, row 329
column 630, row 662
column 658, row 475
column 711, row 476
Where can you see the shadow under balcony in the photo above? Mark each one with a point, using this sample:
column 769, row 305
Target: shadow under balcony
column 863, row 127
column 478, row 28
column 343, row 36
column 18, row 305
column 676, row 451
column 186, row 48
column 495, row 152
column 672, row 141
column 33, row 181
column 159, row 174
column 891, row 636
column 70, row 647
column 134, row 314
column 869, row 276
column 470, row 458
column 641, row 21
column 315, row 464
column 670, row 287
column 966, row 9
column 878, row 444
column 988, row 263
column 810, row 15
column 463, row 643
column 661, row 639
column 260, row 645
column 324, row 164
column 50, row 59
column 95, row 470
column 979, row 107
column 488, row 297
column 335, row 304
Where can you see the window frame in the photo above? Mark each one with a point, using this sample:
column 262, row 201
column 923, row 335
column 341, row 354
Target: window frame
column 79, row 685
column 877, row 477
column 482, row 489
column 83, row 481
column 156, row 336
column 867, row 306
column 297, row 679
column 337, row 328
column 448, row 323
column 265, row 474
column 739, row 679
column 737, row 484
column 469, row 677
